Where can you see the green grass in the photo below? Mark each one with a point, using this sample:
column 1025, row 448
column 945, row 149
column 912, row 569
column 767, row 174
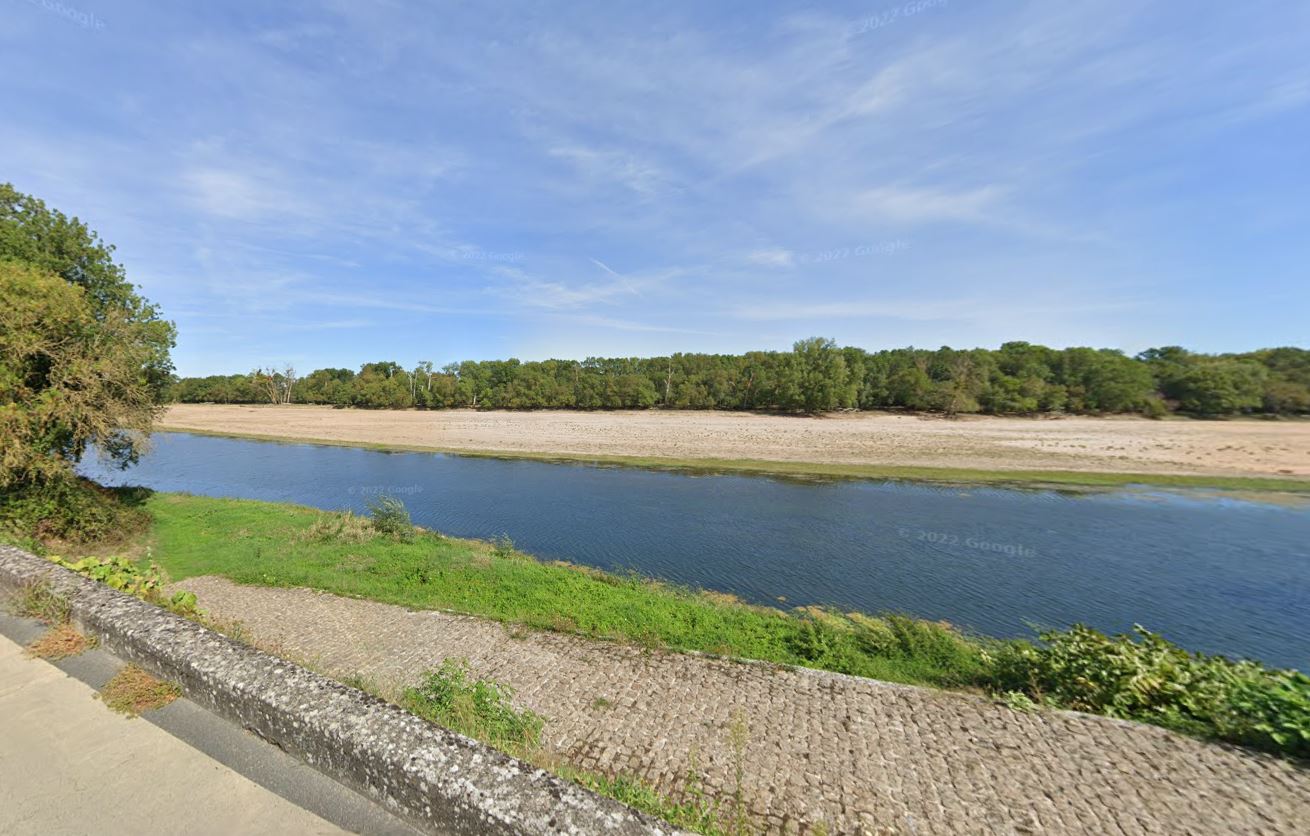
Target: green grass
column 276, row 545
column 812, row 470
column 696, row 813
column 450, row 696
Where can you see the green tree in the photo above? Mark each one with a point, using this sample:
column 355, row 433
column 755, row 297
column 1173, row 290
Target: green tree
column 1222, row 388
column 84, row 360
column 54, row 243
column 822, row 373
column 72, row 374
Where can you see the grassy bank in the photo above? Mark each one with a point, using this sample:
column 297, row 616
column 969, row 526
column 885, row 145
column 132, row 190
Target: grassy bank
column 822, row 470
column 283, row 545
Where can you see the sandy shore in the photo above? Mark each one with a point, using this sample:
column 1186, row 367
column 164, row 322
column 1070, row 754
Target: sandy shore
column 1109, row 445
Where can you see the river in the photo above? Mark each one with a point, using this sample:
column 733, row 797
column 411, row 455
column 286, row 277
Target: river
column 1213, row 573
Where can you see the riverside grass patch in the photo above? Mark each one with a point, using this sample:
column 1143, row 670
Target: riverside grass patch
column 269, row 544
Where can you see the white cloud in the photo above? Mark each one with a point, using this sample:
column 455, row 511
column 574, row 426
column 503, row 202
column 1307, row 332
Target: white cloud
column 903, row 204
column 235, row 195
column 615, row 166
column 772, row 258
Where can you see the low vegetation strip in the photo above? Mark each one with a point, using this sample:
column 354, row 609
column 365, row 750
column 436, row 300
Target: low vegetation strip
column 1150, row 680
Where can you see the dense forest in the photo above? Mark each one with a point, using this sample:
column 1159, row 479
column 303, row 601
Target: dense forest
column 816, row 376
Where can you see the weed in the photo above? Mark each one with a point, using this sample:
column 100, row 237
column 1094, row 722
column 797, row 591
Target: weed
column 343, row 527
column 37, row 600
column 1017, row 701
column 363, row 682
column 390, row 517
column 118, row 573
column 133, row 691
column 232, row 628
column 695, row 814
column 126, row 575
column 600, row 704
column 450, row 697
column 60, row 642
column 502, row 546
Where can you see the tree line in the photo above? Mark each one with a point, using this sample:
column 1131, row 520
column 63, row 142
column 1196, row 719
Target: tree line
column 817, row 375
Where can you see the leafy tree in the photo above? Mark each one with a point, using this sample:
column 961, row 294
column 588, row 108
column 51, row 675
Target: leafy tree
column 1286, row 397
column 56, row 244
column 1222, row 388
column 72, row 374
column 822, row 374
column 83, row 358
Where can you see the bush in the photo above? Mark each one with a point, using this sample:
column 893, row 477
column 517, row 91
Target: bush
column 478, row 708
column 1154, row 681
column 390, row 517
column 127, row 576
column 502, row 546
column 73, row 510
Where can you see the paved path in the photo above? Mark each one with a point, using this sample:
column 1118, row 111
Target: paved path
column 70, row 765
column 854, row 755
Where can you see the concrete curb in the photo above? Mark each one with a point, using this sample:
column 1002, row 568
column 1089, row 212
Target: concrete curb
column 439, row 780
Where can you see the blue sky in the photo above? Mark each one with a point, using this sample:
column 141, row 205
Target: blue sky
column 329, row 184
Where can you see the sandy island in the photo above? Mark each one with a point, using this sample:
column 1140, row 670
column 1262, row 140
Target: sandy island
column 1101, row 445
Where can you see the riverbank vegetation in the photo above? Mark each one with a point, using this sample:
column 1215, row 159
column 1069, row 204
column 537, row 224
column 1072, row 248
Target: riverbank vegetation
column 1142, row 677
column 83, row 364
column 816, row 376
column 280, row 545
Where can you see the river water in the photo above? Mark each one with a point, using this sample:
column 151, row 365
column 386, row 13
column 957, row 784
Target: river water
column 1213, row 573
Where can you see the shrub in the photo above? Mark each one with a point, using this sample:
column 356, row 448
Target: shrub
column 478, row 708
column 83, row 358
column 73, row 510
column 502, row 546
column 390, row 517
column 126, row 575
column 1152, row 680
